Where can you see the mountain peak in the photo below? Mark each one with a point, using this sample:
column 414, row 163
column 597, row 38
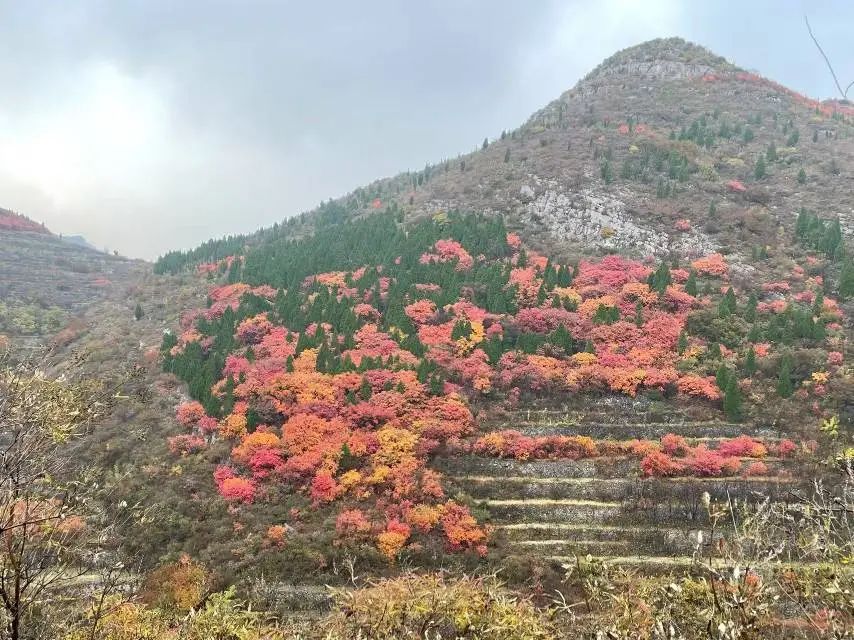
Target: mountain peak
column 662, row 58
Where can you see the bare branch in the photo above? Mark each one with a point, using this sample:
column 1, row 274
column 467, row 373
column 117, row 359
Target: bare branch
column 827, row 61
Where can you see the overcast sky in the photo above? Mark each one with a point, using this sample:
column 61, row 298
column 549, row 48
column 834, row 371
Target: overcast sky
column 153, row 125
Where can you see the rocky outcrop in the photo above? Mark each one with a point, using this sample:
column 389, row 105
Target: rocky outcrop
column 601, row 219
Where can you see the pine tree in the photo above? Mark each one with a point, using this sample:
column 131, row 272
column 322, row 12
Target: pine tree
column 818, row 304
column 750, row 361
column 365, row 390
column 802, row 176
column 234, row 273
column 660, row 279
column 606, row 172
column 750, row 309
column 759, row 171
column 507, row 155
column 732, row 399
column 753, row 334
column 785, row 388
column 323, row 356
column 728, row 304
column 138, row 313
column 691, row 284
column 228, row 396
column 771, row 153
column 722, row 377
column 846, row 279
column 639, row 314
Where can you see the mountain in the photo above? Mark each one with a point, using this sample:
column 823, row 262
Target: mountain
column 80, row 241
column 651, row 137
column 587, row 337
column 47, row 280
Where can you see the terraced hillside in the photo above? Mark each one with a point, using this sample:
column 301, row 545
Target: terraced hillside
column 560, row 509
column 572, row 341
column 46, row 282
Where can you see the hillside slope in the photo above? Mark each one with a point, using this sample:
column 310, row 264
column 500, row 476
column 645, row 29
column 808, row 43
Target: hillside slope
column 632, row 159
column 47, row 281
column 552, row 346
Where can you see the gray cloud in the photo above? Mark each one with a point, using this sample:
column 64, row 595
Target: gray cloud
column 155, row 125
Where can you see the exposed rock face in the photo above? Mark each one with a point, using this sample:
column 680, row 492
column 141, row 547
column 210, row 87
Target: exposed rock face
column 601, row 219
column 661, row 59
column 655, row 70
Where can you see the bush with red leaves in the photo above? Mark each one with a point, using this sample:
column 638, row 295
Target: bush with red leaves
column 657, row 464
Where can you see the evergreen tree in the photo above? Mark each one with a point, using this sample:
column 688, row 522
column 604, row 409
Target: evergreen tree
column 818, row 304
column 732, row 399
column 750, row 309
column 802, row 176
column 785, row 388
column 750, row 361
column 606, row 315
column 228, row 396
column 660, row 279
column 691, row 284
column 722, row 377
column 507, row 155
column 138, row 313
column 606, row 172
column 753, row 334
column 462, row 329
column 759, row 171
column 560, row 337
column 771, row 153
column 639, row 314
column 365, row 390
column 234, row 272
column 728, row 304
column 846, row 279
column 714, row 350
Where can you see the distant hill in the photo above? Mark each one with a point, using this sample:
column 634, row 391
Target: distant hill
column 47, row 279
column 79, row 241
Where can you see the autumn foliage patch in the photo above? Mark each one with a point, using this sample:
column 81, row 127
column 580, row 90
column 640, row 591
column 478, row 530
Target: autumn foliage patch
column 340, row 383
